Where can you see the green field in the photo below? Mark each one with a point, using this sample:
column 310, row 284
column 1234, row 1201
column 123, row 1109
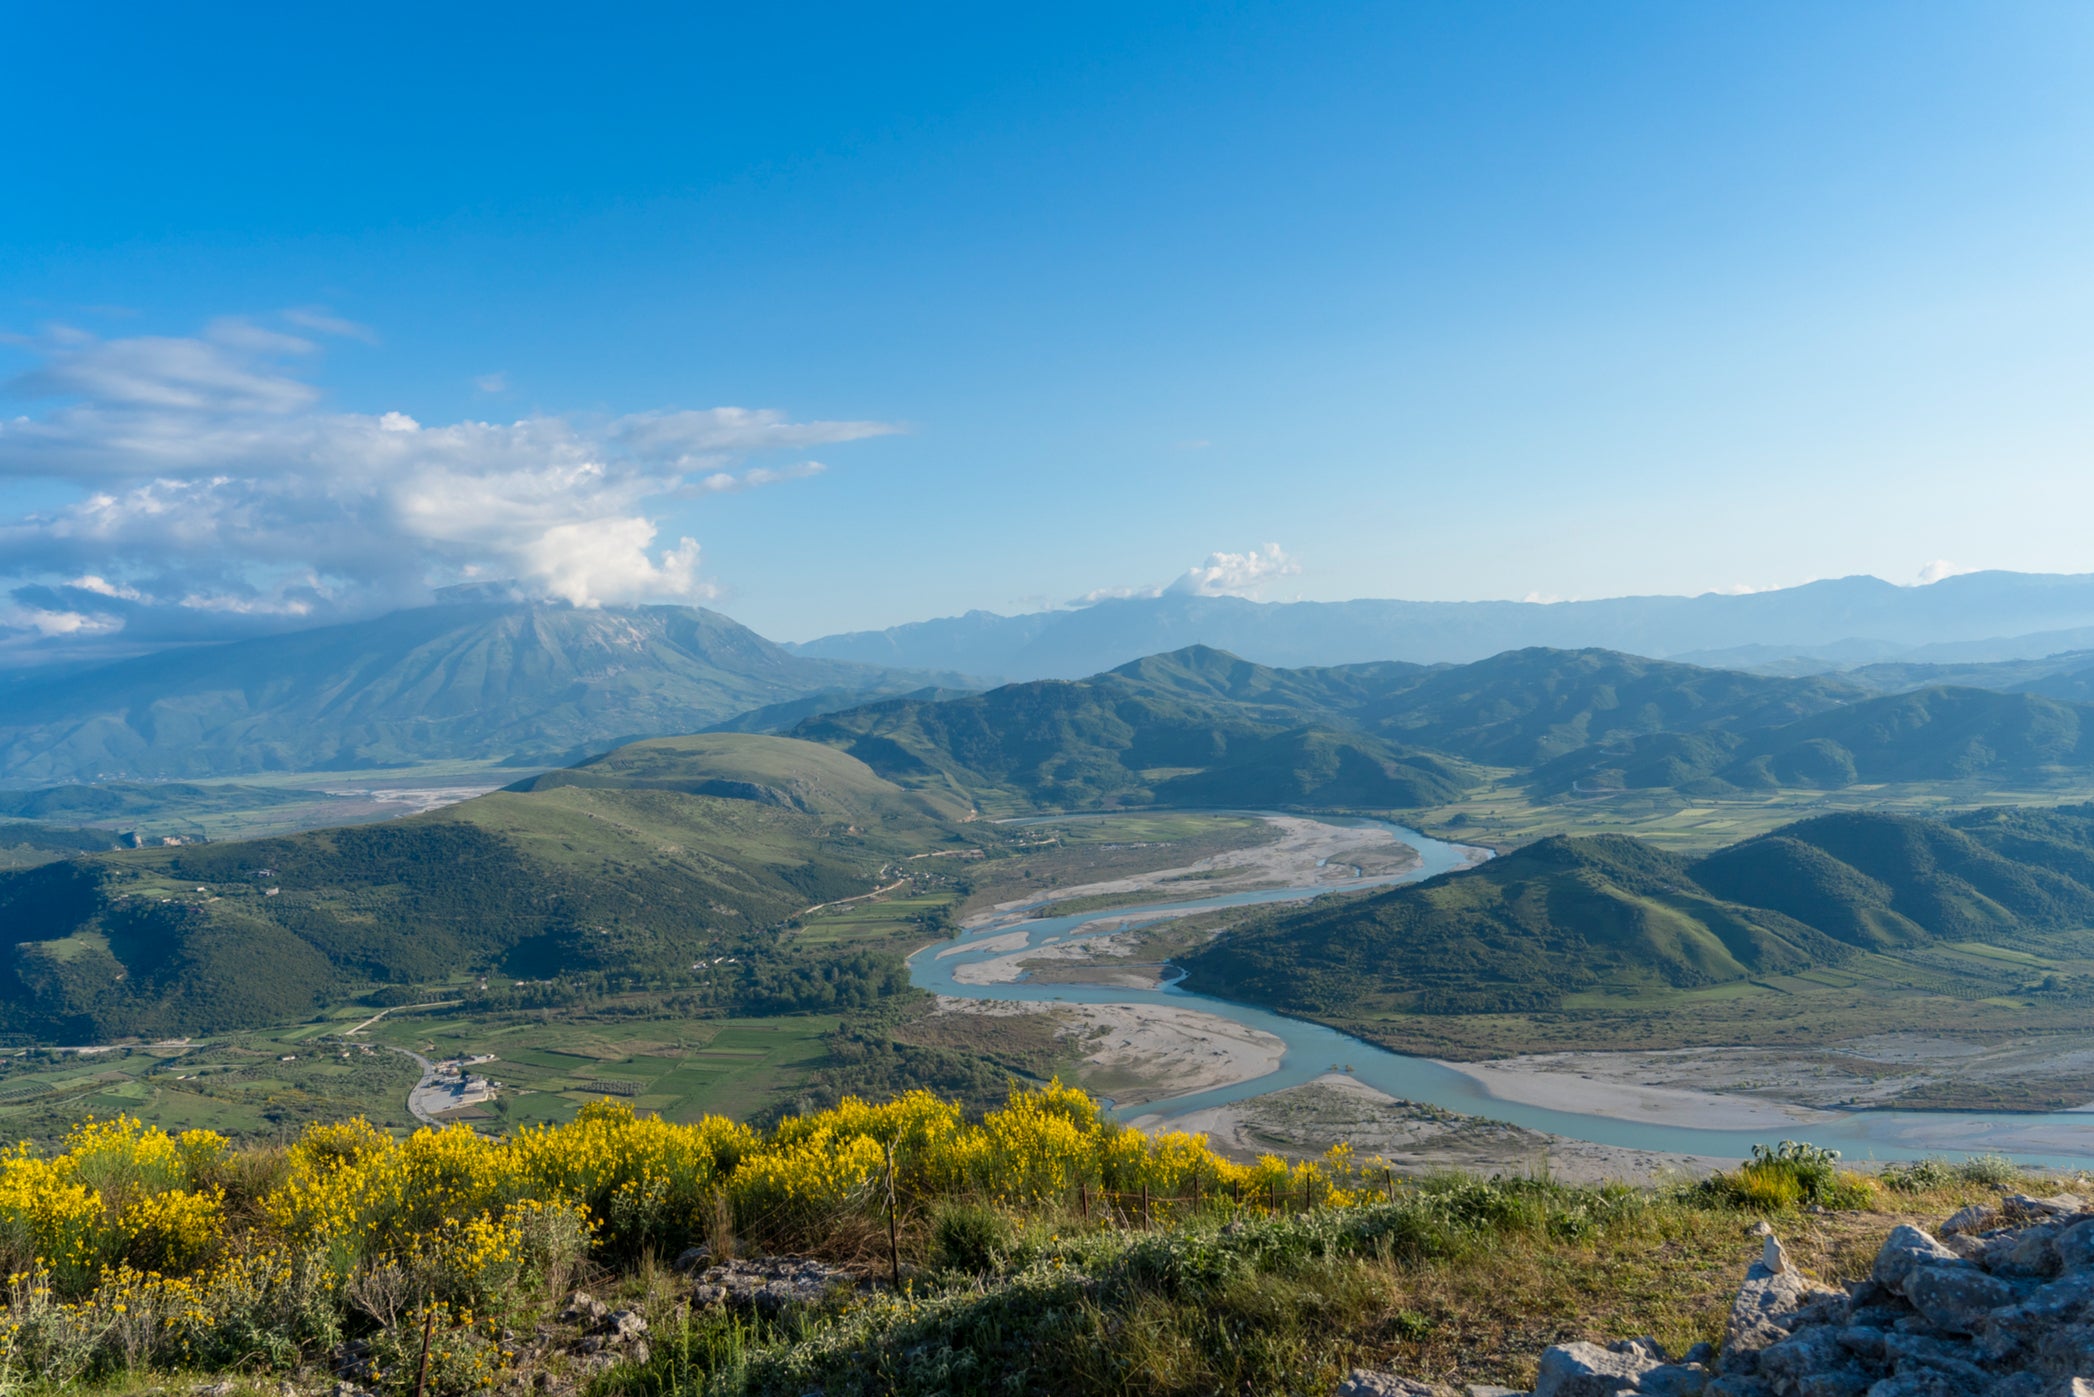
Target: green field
column 680, row 1068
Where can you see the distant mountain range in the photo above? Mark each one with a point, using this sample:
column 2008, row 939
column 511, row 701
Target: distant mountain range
column 1850, row 620
column 494, row 679
column 527, row 682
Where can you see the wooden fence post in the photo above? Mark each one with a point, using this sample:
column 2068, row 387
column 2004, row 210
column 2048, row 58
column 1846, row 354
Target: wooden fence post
column 421, row 1372
column 894, row 1249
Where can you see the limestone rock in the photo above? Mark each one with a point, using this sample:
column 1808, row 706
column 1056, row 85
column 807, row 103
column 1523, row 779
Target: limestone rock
column 1675, row 1380
column 1814, row 1353
column 2074, row 1246
column 1366, row 1382
column 1761, row 1315
column 1957, row 1298
column 1587, row 1370
column 1978, row 1217
column 767, row 1286
column 1904, row 1251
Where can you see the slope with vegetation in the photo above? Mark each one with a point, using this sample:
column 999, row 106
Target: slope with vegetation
column 1930, row 735
column 634, row 865
column 1202, row 726
column 1041, row 1248
column 1195, row 727
column 1565, row 916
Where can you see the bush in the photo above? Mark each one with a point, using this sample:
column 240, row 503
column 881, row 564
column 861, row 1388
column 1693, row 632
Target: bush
column 1920, row 1176
column 1989, row 1171
column 1792, row 1174
column 973, row 1238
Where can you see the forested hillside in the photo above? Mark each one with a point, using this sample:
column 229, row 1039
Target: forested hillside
column 1200, row 726
column 634, row 866
column 1569, row 914
column 1939, row 734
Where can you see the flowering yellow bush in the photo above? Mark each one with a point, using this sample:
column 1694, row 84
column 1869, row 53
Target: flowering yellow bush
column 119, row 1241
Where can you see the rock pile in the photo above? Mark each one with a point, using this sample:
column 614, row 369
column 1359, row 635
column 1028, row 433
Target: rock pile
column 2001, row 1304
column 610, row 1336
column 768, row 1285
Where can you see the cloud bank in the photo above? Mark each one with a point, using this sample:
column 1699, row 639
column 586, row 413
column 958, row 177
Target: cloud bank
column 1222, row 575
column 213, row 485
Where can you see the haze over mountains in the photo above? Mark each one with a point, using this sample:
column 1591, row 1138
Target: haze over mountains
column 1975, row 616
column 529, row 682
column 532, row 683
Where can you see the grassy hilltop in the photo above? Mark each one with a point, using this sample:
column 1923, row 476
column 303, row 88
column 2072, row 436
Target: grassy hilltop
column 636, row 864
column 1041, row 1249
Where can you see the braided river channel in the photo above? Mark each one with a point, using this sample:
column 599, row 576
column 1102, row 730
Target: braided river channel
column 2063, row 1138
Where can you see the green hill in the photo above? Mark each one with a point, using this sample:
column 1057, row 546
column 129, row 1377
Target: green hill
column 1939, row 734
column 637, row 869
column 1203, row 726
column 1570, row 914
column 1515, row 934
column 1195, row 727
column 534, row 682
column 1528, row 706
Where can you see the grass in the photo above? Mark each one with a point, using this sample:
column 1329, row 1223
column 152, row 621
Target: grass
column 1460, row 1280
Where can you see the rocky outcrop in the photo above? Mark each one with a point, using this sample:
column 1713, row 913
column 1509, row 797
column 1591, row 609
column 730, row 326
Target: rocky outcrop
column 1999, row 1304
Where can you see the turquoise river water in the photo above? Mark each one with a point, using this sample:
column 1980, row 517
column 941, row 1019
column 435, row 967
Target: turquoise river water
column 2064, row 1138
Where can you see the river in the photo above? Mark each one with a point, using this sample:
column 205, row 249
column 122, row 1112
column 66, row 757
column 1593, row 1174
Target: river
column 2062, row 1139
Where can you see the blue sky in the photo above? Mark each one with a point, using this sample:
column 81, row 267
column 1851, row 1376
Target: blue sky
column 1445, row 300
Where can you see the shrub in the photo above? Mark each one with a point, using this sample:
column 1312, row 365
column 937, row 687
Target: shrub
column 1989, row 1171
column 972, row 1237
column 1792, row 1174
column 1919, row 1176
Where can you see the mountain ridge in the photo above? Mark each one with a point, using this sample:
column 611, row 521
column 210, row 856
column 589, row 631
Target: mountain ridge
column 1980, row 606
column 475, row 680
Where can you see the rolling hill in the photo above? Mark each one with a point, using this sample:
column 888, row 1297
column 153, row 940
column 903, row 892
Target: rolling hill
column 1195, row 727
column 647, row 858
column 1515, row 934
column 1201, row 726
column 529, row 682
column 1528, row 706
column 1939, row 734
column 1611, row 912
column 1569, row 914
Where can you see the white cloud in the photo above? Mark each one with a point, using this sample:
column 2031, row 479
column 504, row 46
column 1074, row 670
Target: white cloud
column 1940, row 568
column 102, row 587
column 1222, row 575
column 321, row 320
column 212, row 479
column 492, row 383
column 1236, row 574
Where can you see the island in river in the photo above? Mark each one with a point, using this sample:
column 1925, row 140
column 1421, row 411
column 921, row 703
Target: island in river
column 1105, row 975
